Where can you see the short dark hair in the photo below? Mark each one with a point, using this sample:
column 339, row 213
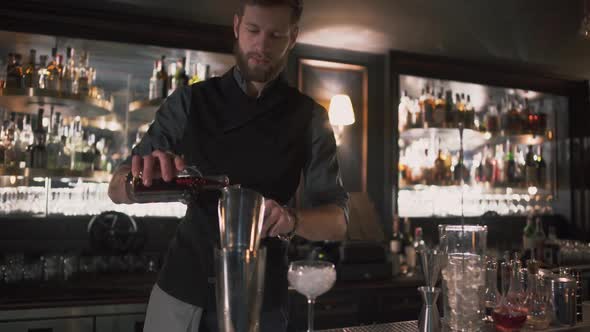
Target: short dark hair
column 295, row 5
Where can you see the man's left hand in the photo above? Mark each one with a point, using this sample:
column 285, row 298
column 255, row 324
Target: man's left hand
column 277, row 219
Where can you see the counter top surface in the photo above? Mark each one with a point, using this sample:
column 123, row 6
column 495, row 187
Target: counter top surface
column 412, row 326
column 124, row 289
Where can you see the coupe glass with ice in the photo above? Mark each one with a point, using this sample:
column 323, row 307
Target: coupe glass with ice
column 463, row 276
column 312, row 279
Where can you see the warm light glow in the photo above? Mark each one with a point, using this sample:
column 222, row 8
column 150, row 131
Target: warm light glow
column 341, row 112
column 532, row 191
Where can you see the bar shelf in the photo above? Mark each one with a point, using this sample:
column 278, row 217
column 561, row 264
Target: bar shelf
column 29, row 100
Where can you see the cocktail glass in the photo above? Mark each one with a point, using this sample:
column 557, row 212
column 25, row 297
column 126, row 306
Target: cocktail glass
column 311, row 278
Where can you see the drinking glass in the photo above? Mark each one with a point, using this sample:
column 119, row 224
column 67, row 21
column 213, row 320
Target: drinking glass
column 312, row 279
column 463, row 275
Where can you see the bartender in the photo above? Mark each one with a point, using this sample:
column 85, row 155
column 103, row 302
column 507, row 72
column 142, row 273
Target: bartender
column 252, row 126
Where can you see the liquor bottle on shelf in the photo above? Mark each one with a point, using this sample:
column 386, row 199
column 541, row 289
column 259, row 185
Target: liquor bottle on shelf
column 26, row 139
column 37, row 152
column 153, row 88
column 541, row 119
column 460, row 171
column 450, row 111
column 69, row 72
column 439, row 113
column 53, row 74
column 395, row 247
column 539, row 238
column 162, row 84
column 541, row 169
column 427, row 106
column 499, row 177
column 42, row 72
column 14, row 72
column 528, row 242
column 419, row 246
column 510, row 166
column 54, row 148
column 84, row 75
column 492, row 118
column 440, row 169
column 469, row 114
column 531, row 168
column 31, row 79
column 408, row 247
column 404, row 114
column 180, row 76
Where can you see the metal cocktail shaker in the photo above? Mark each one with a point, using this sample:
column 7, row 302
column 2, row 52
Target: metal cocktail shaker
column 240, row 263
column 563, row 292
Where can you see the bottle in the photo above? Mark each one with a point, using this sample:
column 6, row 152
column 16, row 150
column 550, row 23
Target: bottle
column 162, row 79
column 492, row 121
column 539, row 240
column 83, row 75
column 491, row 295
column 450, row 114
column 541, row 169
column 439, row 116
column 184, row 187
column 419, row 246
column 469, row 114
column 395, row 247
column 54, row 147
column 510, row 166
column 153, row 89
column 42, row 72
column 395, row 244
column 37, row 152
column 408, row 246
column 528, row 236
column 427, row 107
column 31, row 79
column 14, row 72
column 440, row 169
column 68, row 76
column 180, row 77
column 460, row 172
column 54, row 71
column 531, row 168
column 538, row 310
column 26, row 138
column 11, row 140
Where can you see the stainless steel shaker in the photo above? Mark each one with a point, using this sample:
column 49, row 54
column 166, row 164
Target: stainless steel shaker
column 563, row 292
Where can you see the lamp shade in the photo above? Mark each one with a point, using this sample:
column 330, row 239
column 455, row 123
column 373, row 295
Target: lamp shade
column 341, row 113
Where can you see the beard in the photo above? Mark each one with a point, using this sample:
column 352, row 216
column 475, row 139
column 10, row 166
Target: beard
column 258, row 73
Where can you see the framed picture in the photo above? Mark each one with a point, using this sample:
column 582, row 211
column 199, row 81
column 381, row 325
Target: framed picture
column 321, row 80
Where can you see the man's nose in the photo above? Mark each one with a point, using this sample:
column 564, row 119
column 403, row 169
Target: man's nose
column 264, row 43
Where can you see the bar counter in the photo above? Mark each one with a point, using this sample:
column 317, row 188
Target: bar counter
column 412, row 326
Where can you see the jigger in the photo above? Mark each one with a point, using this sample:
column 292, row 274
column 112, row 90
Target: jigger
column 429, row 320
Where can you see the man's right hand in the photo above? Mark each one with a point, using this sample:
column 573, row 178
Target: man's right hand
column 158, row 164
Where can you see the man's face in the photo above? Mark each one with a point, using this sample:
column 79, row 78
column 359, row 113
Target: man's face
column 264, row 38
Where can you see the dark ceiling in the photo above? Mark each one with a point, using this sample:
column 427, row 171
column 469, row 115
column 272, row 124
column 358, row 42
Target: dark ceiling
column 537, row 31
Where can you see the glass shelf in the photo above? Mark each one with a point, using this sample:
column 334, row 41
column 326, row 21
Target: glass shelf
column 95, row 176
column 29, row 100
column 472, row 139
column 143, row 111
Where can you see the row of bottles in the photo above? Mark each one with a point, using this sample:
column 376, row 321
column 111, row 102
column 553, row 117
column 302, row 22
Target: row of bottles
column 507, row 114
column 54, row 144
column 406, row 247
column 59, row 74
column 497, row 166
column 162, row 84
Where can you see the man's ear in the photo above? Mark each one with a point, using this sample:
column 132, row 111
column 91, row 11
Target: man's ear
column 293, row 37
column 236, row 25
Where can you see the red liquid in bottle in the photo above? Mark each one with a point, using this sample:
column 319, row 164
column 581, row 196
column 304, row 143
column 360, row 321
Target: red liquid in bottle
column 507, row 320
